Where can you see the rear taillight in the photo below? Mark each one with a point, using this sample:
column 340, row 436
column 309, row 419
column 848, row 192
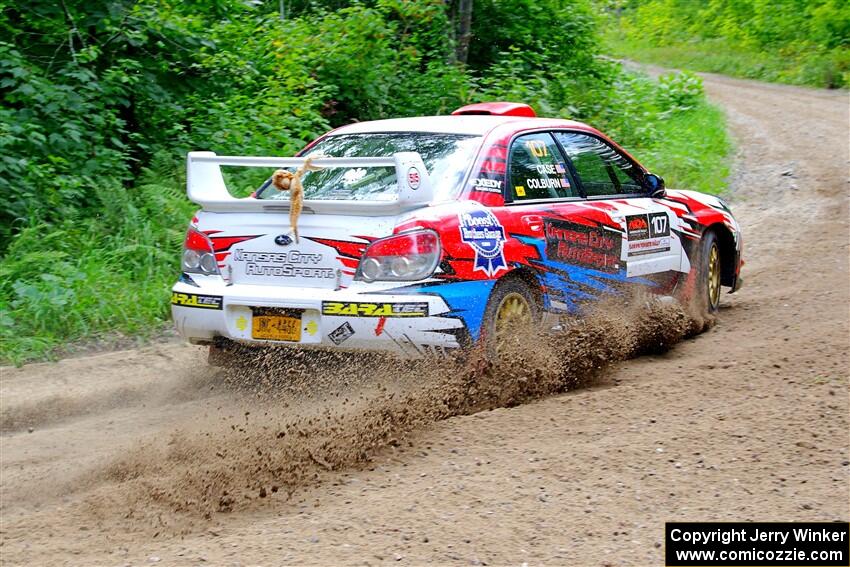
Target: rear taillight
column 198, row 254
column 405, row 257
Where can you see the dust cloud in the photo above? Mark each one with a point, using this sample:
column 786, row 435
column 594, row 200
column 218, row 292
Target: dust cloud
column 293, row 419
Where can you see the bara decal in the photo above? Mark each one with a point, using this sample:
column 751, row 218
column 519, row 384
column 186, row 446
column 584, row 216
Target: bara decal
column 483, row 232
column 368, row 309
column 341, row 334
column 196, row 300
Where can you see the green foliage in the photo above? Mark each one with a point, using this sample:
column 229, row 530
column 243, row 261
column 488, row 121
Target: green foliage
column 791, row 41
column 100, row 100
column 548, row 34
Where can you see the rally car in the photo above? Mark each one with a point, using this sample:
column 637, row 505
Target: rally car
column 423, row 235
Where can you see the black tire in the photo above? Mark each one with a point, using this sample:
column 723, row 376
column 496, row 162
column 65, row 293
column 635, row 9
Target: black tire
column 708, row 274
column 512, row 288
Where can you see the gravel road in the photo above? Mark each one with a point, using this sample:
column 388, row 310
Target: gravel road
column 124, row 458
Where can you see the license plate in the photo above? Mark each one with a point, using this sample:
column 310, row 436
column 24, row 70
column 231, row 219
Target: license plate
column 276, row 328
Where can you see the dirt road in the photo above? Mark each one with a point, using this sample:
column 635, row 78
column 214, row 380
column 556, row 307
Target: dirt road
column 748, row 421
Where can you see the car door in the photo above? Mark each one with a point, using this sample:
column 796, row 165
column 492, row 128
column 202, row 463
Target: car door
column 538, row 183
column 575, row 250
column 613, row 184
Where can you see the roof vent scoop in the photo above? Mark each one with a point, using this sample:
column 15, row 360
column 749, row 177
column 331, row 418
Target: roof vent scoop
column 496, row 109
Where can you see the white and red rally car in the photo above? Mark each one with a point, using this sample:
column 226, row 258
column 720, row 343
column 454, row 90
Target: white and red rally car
column 422, row 235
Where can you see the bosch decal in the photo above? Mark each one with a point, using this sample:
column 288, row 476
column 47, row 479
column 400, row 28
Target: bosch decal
column 364, row 309
column 196, row 300
column 483, row 232
column 590, row 246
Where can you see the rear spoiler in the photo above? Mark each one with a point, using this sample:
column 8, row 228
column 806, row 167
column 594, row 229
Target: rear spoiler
column 205, row 184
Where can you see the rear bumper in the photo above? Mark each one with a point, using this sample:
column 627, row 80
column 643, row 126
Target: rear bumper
column 410, row 325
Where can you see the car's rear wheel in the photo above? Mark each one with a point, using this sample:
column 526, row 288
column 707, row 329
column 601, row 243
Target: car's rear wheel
column 513, row 309
column 708, row 292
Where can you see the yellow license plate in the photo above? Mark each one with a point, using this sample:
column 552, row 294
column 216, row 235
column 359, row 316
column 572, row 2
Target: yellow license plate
column 276, row 328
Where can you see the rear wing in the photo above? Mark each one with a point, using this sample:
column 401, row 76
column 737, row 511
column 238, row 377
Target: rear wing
column 205, row 184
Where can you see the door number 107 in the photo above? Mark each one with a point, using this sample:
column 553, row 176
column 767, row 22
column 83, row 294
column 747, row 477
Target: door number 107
column 659, row 224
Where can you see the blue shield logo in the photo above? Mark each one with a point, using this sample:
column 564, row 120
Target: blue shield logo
column 483, row 232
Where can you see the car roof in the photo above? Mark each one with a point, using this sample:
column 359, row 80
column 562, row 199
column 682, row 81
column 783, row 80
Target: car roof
column 473, row 125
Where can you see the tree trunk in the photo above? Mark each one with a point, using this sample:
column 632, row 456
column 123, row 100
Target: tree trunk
column 464, row 31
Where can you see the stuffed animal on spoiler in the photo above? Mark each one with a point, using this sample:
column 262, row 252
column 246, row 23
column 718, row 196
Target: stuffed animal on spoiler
column 284, row 180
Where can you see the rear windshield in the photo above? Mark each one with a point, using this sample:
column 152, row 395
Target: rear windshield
column 447, row 157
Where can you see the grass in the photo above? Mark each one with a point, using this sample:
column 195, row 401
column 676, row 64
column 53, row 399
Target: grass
column 102, row 279
column 802, row 66
column 692, row 151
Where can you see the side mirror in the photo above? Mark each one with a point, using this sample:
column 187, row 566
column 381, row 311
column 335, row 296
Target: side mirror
column 655, row 184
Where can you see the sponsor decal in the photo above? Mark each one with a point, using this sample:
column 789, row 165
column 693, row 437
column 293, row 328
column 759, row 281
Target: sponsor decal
column 543, row 183
column 653, row 225
column 545, row 168
column 292, row 264
column 650, row 246
column 648, row 233
column 485, row 234
column 590, row 246
column 637, row 227
column 341, row 334
column 487, row 185
column 368, row 309
column 520, row 191
column 196, row 300
column 283, row 240
column 413, row 178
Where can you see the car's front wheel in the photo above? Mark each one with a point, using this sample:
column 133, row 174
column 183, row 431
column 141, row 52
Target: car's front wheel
column 513, row 309
column 708, row 282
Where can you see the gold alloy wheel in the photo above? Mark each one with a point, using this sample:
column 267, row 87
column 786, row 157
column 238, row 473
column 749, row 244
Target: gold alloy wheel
column 713, row 276
column 513, row 313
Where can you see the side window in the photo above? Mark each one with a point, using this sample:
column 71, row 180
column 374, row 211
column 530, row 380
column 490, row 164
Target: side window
column 538, row 170
column 601, row 169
